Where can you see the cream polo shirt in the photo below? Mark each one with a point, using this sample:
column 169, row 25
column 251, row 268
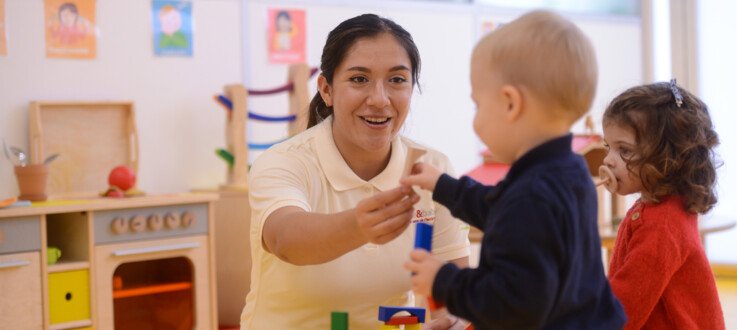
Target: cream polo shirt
column 308, row 172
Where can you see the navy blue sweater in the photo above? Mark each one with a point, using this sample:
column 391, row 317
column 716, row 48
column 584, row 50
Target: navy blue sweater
column 540, row 264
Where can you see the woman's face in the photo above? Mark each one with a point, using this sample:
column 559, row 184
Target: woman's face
column 370, row 94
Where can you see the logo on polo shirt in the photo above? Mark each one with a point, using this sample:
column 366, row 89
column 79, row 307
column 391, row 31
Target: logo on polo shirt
column 423, row 216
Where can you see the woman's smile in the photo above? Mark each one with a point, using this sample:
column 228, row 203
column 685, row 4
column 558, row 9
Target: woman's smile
column 376, row 122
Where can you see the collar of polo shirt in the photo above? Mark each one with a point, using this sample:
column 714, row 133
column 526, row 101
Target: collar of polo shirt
column 341, row 176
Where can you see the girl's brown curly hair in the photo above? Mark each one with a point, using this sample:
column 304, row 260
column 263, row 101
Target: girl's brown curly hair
column 674, row 152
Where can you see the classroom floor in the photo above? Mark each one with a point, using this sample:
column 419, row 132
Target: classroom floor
column 728, row 295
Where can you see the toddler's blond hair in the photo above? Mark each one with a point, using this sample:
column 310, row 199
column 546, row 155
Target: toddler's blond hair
column 549, row 56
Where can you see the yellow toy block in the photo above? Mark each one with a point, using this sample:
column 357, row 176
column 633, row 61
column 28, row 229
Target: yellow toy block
column 412, row 326
column 389, row 327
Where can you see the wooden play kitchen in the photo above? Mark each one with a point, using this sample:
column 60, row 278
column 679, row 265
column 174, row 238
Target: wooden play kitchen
column 126, row 263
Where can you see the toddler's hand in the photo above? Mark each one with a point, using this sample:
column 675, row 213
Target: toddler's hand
column 445, row 322
column 424, row 266
column 424, row 175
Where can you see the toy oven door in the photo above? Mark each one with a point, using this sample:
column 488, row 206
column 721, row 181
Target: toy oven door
column 159, row 284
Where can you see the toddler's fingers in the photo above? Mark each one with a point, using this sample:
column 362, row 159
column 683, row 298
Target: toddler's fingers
column 417, row 168
column 409, row 181
column 418, row 255
column 410, row 265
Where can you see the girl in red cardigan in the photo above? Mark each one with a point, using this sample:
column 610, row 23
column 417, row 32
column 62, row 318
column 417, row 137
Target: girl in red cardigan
column 660, row 144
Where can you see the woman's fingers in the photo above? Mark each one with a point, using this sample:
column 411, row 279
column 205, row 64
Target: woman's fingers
column 386, row 215
column 392, row 227
column 388, row 209
column 397, row 207
column 383, row 198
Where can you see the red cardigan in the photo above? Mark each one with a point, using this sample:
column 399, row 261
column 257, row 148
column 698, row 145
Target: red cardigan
column 659, row 270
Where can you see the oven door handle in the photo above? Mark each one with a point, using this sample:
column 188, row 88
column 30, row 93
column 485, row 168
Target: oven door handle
column 13, row 264
column 155, row 249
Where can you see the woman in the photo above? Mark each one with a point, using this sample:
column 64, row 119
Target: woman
column 330, row 226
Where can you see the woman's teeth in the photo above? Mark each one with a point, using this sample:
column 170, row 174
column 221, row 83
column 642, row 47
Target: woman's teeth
column 376, row 120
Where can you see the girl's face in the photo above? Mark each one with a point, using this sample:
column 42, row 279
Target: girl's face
column 621, row 146
column 171, row 21
column 283, row 24
column 370, row 95
column 67, row 17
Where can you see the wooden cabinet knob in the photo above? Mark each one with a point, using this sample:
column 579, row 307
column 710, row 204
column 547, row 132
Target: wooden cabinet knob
column 188, row 219
column 138, row 223
column 155, row 222
column 172, row 221
column 119, row 225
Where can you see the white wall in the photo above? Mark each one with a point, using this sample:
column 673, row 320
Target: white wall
column 179, row 125
column 717, row 74
column 445, row 34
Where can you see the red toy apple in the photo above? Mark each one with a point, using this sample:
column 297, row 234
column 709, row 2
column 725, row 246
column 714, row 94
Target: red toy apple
column 122, row 177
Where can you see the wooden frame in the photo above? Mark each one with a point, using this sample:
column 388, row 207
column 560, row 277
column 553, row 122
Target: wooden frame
column 91, row 139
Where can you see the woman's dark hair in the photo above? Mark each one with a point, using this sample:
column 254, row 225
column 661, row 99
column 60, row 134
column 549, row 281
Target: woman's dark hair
column 342, row 38
column 674, row 143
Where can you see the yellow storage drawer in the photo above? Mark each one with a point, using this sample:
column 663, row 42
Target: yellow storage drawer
column 69, row 296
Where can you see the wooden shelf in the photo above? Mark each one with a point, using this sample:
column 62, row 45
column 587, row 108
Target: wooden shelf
column 65, row 266
column 152, row 289
column 71, row 325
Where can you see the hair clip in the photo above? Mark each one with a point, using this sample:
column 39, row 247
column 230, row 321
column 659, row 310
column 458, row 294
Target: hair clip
column 676, row 92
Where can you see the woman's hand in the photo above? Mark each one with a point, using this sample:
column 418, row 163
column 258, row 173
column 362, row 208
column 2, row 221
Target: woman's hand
column 424, row 266
column 384, row 216
column 424, row 175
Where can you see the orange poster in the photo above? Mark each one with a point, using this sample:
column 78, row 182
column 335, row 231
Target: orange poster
column 3, row 36
column 286, row 36
column 70, row 28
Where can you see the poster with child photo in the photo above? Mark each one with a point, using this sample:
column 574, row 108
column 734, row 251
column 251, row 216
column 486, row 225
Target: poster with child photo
column 172, row 26
column 70, row 29
column 286, row 36
column 3, row 37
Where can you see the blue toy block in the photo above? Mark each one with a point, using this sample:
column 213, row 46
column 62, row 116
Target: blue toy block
column 386, row 312
column 423, row 236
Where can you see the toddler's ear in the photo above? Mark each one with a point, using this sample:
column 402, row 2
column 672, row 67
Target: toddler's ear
column 513, row 97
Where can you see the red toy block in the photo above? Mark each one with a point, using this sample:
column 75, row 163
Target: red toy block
column 399, row 320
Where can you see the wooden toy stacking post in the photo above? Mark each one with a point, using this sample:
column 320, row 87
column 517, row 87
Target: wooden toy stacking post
column 299, row 98
column 235, row 100
column 235, row 137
